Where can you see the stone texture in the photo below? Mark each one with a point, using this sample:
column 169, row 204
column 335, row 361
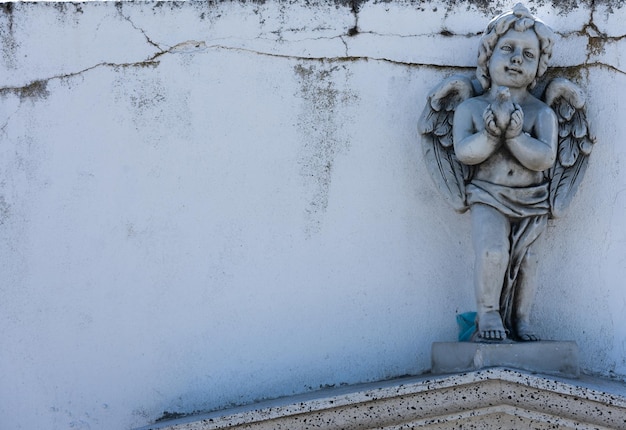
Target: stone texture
column 489, row 399
column 547, row 357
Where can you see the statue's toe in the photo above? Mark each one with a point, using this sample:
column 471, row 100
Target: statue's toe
column 528, row 337
column 493, row 335
column 525, row 333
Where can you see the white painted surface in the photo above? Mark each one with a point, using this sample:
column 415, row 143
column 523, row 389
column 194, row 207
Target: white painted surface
column 205, row 205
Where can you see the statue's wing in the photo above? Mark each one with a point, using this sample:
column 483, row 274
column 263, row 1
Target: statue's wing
column 575, row 142
column 435, row 126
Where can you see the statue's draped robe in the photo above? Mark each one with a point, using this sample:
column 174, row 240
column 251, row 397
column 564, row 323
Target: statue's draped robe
column 527, row 208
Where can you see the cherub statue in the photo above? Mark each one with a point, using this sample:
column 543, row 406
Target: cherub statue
column 512, row 159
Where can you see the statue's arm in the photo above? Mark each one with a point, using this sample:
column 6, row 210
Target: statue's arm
column 472, row 143
column 537, row 153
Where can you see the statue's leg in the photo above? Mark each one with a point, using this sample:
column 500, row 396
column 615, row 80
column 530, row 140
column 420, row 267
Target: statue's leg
column 526, row 287
column 490, row 231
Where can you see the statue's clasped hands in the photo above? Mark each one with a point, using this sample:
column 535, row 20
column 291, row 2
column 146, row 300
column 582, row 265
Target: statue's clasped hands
column 507, row 121
column 515, row 125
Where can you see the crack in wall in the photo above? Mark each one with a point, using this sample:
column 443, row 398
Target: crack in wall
column 148, row 39
column 596, row 42
column 345, row 44
column 350, row 58
column 8, row 120
column 590, row 30
column 38, row 88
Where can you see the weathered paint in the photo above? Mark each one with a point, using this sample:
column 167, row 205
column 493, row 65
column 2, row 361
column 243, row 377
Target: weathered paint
column 211, row 203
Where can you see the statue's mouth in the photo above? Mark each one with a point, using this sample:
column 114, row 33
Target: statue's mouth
column 513, row 69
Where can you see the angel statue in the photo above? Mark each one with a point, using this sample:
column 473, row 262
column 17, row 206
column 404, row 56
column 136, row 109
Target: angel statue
column 513, row 159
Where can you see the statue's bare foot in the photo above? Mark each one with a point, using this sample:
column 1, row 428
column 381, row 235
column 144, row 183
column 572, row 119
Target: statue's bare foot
column 525, row 333
column 490, row 327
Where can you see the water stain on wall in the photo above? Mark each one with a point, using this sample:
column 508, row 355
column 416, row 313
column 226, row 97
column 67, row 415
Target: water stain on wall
column 7, row 35
column 324, row 94
column 4, row 210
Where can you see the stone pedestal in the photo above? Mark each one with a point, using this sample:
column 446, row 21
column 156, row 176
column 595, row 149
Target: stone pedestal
column 546, row 357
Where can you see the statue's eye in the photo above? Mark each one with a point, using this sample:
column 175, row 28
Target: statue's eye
column 529, row 54
column 506, row 48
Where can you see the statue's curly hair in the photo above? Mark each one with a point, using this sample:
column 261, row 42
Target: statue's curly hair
column 519, row 19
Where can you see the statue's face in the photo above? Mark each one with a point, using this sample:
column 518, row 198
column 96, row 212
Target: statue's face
column 515, row 59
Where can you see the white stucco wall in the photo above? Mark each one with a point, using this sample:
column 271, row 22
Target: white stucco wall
column 204, row 205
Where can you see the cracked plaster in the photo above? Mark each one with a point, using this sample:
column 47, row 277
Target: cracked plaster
column 126, row 135
column 262, row 30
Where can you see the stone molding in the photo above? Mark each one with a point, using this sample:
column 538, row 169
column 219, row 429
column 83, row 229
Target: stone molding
column 492, row 398
column 556, row 358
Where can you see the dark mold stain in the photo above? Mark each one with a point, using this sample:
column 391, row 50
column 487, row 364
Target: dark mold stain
column 9, row 45
column 322, row 93
column 4, row 210
column 7, row 8
column 34, row 90
column 170, row 416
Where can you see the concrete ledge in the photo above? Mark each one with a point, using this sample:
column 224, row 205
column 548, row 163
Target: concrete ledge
column 489, row 399
column 545, row 357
